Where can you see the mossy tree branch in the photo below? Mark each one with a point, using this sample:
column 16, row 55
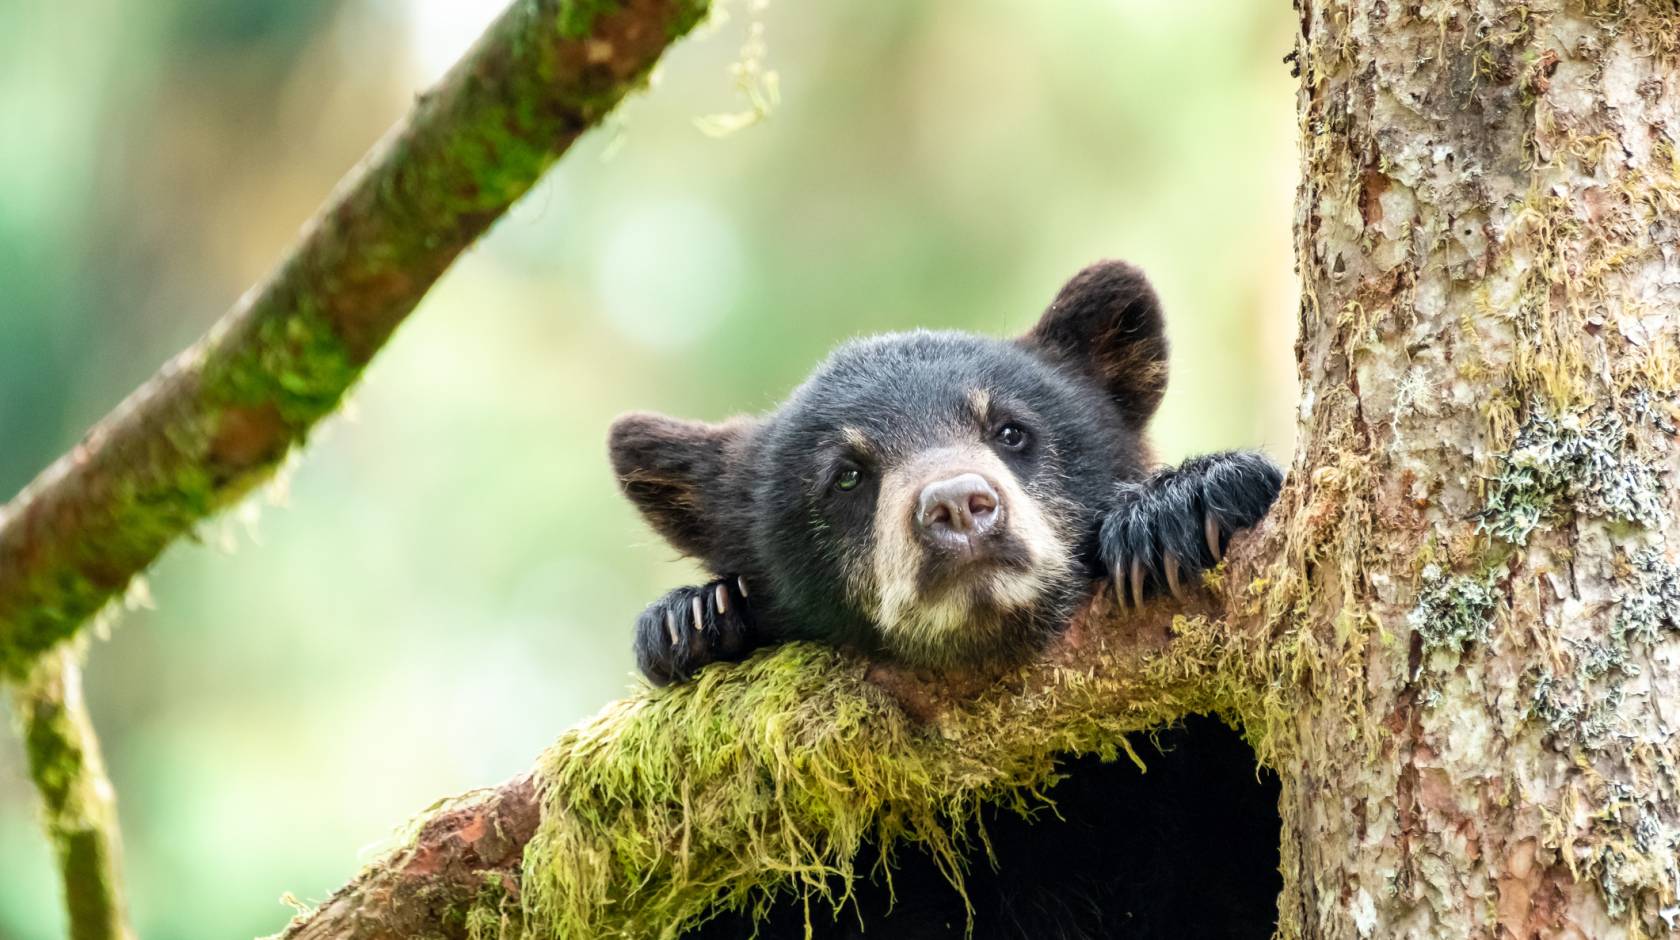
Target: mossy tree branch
column 78, row 805
column 771, row 776
column 220, row 416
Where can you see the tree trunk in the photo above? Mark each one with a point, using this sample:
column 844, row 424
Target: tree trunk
column 1477, row 592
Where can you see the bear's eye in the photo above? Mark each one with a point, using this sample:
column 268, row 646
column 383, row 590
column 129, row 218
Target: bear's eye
column 1011, row 436
column 848, row 479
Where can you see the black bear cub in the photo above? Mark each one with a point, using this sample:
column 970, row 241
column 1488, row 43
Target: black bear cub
column 936, row 498
column 946, row 499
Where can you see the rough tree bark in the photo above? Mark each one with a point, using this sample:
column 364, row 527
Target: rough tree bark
column 1457, row 641
column 1479, row 571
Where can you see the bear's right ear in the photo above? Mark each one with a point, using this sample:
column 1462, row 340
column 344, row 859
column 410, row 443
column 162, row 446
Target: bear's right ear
column 1107, row 323
column 675, row 473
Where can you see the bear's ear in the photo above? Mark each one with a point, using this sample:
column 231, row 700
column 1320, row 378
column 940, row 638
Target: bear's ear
column 676, row 472
column 1107, row 323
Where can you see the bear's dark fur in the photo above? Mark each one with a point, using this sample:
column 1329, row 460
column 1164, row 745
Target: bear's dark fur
column 947, row 499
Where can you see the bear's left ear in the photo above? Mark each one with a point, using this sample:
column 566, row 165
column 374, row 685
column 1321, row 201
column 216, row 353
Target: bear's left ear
column 676, row 472
column 1107, row 323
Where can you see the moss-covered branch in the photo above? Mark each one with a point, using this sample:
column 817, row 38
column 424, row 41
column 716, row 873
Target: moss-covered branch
column 770, row 777
column 78, row 806
column 220, row 416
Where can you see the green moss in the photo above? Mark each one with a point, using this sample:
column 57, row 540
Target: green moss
column 577, row 17
column 769, row 777
column 76, row 807
column 721, row 791
column 1293, row 665
column 291, row 368
column 143, row 513
column 294, row 360
column 51, row 743
column 493, row 914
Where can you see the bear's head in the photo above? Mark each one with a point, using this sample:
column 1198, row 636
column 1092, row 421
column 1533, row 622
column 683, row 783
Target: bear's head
column 932, row 495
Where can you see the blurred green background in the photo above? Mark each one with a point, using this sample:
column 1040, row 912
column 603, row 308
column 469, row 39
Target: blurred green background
column 450, row 578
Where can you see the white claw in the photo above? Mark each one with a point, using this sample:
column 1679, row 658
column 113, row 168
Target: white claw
column 1210, row 527
column 699, row 613
column 722, row 600
column 742, row 584
column 1137, row 582
column 1172, row 577
column 671, row 626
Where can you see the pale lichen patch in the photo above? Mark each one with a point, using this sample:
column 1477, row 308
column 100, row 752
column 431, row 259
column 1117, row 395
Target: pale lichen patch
column 1453, row 612
column 1652, row 601
column 1571, row 461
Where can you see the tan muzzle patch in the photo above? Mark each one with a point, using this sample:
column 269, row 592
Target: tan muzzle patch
column 932, row 627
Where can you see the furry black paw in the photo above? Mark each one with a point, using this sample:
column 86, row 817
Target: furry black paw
column 1175, row 524
column 693, row 626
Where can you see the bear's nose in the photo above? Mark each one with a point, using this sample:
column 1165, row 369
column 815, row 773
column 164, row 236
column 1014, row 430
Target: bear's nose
column 965, row 505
